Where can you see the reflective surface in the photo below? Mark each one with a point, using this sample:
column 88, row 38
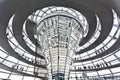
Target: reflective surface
column 58, row 31
column 59, row 35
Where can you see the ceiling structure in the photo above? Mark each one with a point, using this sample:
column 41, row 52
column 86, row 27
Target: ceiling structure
column 59, row 39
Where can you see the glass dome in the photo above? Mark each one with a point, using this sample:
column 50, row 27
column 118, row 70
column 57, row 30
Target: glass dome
column 74, row 42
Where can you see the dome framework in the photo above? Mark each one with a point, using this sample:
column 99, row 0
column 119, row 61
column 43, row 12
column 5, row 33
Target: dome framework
column 23, row 50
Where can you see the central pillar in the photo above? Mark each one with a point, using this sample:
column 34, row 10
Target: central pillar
column 59, row 36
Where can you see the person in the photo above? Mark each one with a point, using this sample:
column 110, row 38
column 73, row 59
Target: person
column 106, row 64
column 76, row 77
column 84, row 67
column 21, row 68
column 97, row 65
column 17, row 66
column 89, row 67
column 104, row 77
column 13, row 66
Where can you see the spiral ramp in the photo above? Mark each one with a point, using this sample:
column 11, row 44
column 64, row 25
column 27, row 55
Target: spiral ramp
column 97, row 57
